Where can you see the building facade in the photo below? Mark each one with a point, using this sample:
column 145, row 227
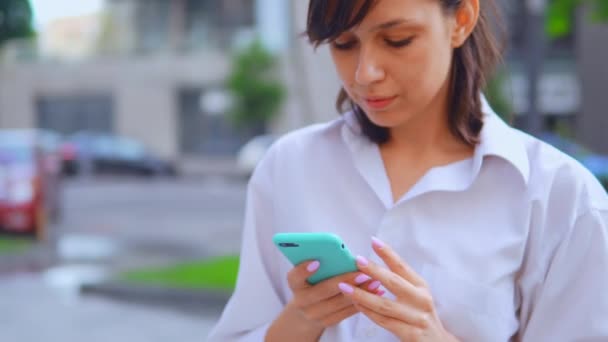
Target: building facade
column 154, row 62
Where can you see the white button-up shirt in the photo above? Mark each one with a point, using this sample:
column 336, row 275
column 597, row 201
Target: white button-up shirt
column 513, row 241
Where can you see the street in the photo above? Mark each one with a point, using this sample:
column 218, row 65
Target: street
column 202, row 214
column 114, row 224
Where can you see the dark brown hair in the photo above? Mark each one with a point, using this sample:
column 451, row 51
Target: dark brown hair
column 472, row 63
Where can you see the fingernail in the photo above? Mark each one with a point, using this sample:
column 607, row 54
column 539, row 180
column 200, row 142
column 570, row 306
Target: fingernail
column 362, row 278
column 374, row 285
column 381, row 293
column 346, row 288
column 377, row 242
column 313, row 266
column 361, row 261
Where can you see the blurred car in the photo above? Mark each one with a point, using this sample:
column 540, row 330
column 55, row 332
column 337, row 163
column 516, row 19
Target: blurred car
column 87, row 152
column 250, row 154
column 596, row 163
column 30, row 181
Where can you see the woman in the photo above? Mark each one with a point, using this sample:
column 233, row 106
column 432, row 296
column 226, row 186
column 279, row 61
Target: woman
column 481, row 232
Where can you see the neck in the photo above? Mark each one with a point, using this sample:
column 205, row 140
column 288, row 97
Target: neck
column 422, row 135
column 427, row 133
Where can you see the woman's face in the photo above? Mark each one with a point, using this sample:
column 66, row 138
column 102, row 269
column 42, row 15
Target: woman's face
column 396, row 63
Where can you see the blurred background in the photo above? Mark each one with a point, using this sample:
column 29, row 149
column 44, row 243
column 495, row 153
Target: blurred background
column 129, row 128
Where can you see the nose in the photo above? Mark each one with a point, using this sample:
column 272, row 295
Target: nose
column 369, row 70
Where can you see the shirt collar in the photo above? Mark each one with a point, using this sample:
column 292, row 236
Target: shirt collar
column 496, row 139
column 500, row 140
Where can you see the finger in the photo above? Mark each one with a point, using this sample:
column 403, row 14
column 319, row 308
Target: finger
column 339, row 316
column 374, row 286
column 296, row 277
column 366, row 283
column 320, row 310
column 386, row 307
column 329, row 288
column 405, row 331
column 391, row 281
column 394, row 262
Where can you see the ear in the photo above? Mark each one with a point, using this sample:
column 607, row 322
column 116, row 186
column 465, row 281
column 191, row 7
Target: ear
column 465, row 21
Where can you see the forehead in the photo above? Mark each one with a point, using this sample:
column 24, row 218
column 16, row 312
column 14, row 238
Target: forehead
column 365, row 15
column 330, row 18
column 414, row 11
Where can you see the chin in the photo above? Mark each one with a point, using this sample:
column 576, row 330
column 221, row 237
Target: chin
column 388, row 119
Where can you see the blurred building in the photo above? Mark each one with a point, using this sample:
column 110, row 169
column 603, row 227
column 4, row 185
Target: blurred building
column 71, row 38
column 310, row 75
column 559, row 83
column 573, row 76
column 154, row 62
column 592, row 119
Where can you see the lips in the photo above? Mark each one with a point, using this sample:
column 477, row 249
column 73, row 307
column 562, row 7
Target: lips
column 377, row 102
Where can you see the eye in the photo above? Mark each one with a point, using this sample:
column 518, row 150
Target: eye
column 344, row 45
column 399, row 43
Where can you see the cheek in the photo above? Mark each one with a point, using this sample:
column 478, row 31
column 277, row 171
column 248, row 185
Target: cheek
column 345, row 66
column 423, row 69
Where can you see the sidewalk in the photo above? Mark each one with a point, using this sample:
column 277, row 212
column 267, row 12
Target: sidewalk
column 34, row 312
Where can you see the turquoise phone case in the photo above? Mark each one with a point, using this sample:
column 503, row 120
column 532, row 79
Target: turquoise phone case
column 327, row 248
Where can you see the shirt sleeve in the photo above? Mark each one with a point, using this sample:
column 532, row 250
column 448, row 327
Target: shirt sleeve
column 571, row 303
column 256, row 301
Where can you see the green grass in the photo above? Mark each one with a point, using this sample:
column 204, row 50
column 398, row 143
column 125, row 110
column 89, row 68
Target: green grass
column 218, row 273
column 8, row 245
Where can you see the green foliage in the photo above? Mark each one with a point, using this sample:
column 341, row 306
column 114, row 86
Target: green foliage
column 217, row 273
column 258, row 93
column 15, row 20
column 560, row 14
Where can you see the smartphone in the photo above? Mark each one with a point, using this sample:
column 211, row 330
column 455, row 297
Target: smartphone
column 327, row 248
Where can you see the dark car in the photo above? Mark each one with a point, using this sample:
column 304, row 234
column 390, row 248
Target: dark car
column 30, row 182
column 596, row 163
column 87, row 152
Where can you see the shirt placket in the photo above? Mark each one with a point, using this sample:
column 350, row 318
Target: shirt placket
column 390, row 228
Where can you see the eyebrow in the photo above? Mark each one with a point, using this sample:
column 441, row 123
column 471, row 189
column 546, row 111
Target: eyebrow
column 389, row 24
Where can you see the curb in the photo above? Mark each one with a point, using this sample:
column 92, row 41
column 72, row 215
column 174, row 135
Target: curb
column 198, row 302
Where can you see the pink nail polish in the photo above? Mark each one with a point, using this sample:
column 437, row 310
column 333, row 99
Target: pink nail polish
column 374, row 285
column 313, row 266
column 346, row 288
column 381, row 293
column 377, row 242
column 362, row 261
column 362, row 278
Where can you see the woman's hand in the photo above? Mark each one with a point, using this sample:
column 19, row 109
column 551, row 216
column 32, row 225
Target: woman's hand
column 323, row 303
column 317, row 307
column 411, row 316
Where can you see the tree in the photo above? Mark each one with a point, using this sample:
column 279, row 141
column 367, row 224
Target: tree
column 560, row 14
column 257, row 92
column 15, row 20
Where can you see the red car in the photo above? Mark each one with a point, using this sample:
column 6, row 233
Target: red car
column 29, row 182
